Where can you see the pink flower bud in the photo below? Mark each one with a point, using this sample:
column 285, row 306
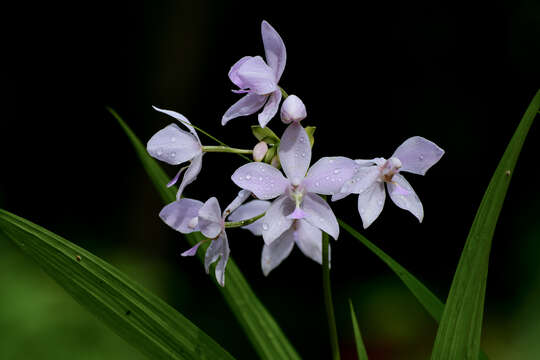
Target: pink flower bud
column 293, row 109
column 259, row 151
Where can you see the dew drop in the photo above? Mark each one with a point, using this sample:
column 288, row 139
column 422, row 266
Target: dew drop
column 327, row 178
column 260, row 178
column 379, row 202
column 265, row 226
column 356, row 169
column 317, row 183
column 303, row 154
column 330, row 160
column 173, row 154
column 362, row 210
column 240, row 178
column 337, row 171
column 248, row 177
column 340, row 179
column 421, row 157
column 173, row 139
column 159, row 152
column 302, row 140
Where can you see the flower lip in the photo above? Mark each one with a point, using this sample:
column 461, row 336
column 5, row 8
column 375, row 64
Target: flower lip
column 390, row 168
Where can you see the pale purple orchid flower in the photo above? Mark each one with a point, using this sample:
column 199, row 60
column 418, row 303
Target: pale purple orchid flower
column 175, row 146
column 296, row 194
column 416, row 155
column 189, row 215
column 306, row 236
column 259, row 79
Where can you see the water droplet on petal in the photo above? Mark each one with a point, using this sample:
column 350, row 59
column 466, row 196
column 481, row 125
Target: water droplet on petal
column 173, row 139
column 317, row 183
column 379, row 202
column 265, row 226
column 327, row 178
column 303, row 154
column 356, row 169
column 362, row 210
column 421, row 157
column 159, row 152
column 248, row 177
column 173, row 154
column 240, row 178
column 301, row 139
column 260, row 178
column 336, row 171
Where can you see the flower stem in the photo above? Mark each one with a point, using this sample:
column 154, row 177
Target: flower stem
column 233, row 224
column 283, row 93
column 226, row 149
column 328, row 299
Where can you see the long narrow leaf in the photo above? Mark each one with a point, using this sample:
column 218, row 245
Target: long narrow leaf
column 260, row 327
column 458, row 336
column 360, row 347
column 427, row 299
column 138, row 316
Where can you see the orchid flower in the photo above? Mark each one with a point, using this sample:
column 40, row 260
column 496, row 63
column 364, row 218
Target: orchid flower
column 189, row 215
column 296, row 194
column 416, row 155
column 306, row 236
column 175, row 146
column 259, row 79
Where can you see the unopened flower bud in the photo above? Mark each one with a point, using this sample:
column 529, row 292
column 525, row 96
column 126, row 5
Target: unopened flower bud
column 293, row 109
column 259, row 151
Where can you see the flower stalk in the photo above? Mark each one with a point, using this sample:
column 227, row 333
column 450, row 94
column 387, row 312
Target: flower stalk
column 233, row 224
column 328, row 299
column 226, row 149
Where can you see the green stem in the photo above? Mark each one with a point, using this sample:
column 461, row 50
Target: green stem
column 328, row 299
column 233, row 224
column 226, row 149
column 283, row 93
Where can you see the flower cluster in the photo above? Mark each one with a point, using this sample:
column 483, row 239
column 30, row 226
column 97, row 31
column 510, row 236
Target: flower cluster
column 297, row 214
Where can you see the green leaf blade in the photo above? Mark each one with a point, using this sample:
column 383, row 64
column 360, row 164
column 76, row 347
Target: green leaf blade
column 458, row 336
column 138, row 316
column 360, row 347
column 264, row 333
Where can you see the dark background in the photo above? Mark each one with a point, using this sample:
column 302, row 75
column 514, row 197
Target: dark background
column 458, row 73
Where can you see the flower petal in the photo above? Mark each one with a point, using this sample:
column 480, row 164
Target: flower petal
column 173, row 145
column 182, row 119
column 254, row 74
column 191, row 174
column 320, row 215
column 417, row 155
column 364, row 178
column 403, row 195
column 263, row 180
column 309, row 240
column 210, row 221
column 192, row 251
column 270, row 109
column 247, row 105
column 242, row 196
column 371, row 203
column 274, row 49
column 295, row 152
column 248, row 211
column 180, row 213
column 275, row 253
column 275, row 222
column 328, row 175
column 218, row 248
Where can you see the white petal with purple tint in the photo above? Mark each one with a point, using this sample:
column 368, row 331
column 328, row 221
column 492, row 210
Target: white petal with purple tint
column 253, row 74
column 247, row 105
column 328, row 175
column 275, row 253
column 274, row 49
column 173, row 145
column 192, row 251
column 275, row 222
column 403, row 195
column 191, row 174
column 210, row 221
column 363, row 179
column 270, row 109
column 180, row 213
column 263, row 180
column 182, row 119
column 309, row 240
column 371, row 203
column 320, row 215
column 219, row 248
column 417, row 155
column 295, row 153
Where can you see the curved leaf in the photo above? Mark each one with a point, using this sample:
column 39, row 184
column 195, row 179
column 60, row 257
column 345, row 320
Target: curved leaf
column 138, row 316
column 458, row 336
column 360, row 347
